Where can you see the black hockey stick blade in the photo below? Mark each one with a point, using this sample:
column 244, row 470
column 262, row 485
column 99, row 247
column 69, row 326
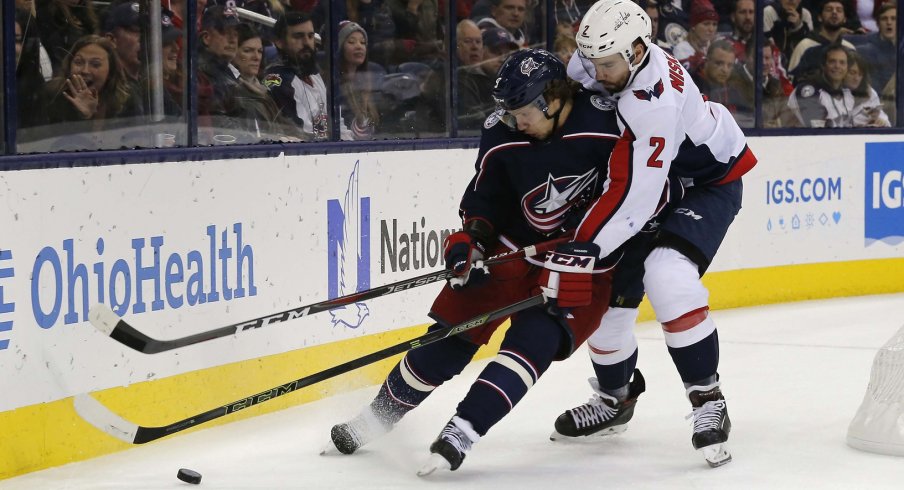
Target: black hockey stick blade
column 101, row 417
column 112, row 325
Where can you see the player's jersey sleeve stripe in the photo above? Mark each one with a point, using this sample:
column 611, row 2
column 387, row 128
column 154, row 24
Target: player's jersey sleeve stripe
column 745, row 161
column 590, row 135
column 616, row 188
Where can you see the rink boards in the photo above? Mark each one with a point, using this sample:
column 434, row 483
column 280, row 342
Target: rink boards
column 185, row 247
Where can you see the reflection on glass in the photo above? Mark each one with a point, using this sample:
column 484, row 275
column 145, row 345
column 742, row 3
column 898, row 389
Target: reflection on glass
column 358, row 114
column 878, row 50
column 476, row 81
column 503, row 26
column 413, row 93
column 258, row 117
column 114, row 89
column 293, row 77
column 867, row 111
column 217, row 81
column 514, row 17
column 90, row 103
column 821, row 100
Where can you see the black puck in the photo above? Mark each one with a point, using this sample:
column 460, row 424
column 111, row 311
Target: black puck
column 189, row 476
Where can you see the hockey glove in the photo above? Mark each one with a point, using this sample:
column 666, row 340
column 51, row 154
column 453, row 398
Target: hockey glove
column 464, row 257
column 567, row 279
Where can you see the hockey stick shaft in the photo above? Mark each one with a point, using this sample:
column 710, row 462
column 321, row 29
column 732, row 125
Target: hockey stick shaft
column 108, row 322
column 101, row 417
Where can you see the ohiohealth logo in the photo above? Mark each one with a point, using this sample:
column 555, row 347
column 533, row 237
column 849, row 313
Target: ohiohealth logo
column 884, row 206
column 348, row 251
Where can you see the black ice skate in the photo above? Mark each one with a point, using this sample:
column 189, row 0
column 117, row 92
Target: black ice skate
column 449, row 449
column 349, row 436
column 603, row 415
column 711, row 423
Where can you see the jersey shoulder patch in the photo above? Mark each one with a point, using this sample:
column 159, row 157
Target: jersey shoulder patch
column 491, row 120
column 602, row 103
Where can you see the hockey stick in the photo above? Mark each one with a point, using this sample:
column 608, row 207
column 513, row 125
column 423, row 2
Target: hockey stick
column 101, row 417
column 108, row 322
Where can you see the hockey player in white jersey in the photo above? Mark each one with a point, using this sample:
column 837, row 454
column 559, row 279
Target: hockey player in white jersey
column 666, row 126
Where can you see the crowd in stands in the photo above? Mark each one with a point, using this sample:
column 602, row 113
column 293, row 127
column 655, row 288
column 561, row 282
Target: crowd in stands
column 90, row 77
column 811, row 49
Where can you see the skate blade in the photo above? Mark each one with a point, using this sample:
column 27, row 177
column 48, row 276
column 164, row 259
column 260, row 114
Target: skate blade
column 436, row 462
column 609, row 431
column 716, row 455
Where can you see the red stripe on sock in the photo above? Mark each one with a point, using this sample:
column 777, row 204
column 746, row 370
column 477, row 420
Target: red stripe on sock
column 599, row 351
column 686, row 321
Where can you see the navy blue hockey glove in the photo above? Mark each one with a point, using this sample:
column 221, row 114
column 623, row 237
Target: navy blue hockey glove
column 464, row 257
column 567, row 276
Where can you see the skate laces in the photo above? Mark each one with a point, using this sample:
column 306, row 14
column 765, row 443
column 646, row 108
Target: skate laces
column 708, row 416
column 594, row 412
column 459, row 433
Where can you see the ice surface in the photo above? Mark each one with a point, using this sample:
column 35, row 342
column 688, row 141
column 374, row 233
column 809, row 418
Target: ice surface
column 793, row 375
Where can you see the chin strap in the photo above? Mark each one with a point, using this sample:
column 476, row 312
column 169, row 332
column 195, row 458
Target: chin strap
column 555, row 117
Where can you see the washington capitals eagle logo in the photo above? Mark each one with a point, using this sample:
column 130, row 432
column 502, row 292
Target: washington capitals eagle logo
column 649, row 93
column 546, row 206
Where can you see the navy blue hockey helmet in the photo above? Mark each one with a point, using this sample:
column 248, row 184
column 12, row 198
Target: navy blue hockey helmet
column 523, row 77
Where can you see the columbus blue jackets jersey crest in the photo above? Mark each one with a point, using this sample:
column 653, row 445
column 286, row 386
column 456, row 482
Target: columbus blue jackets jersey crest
column 555, row 181
column 602, row 103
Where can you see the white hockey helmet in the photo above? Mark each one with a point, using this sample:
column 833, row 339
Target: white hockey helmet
column 611, row 27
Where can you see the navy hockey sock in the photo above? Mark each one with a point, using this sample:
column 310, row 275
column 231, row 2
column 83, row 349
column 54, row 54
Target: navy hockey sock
column 418, row 373
column 529, row 347
column 697, row 361
column 614, row 378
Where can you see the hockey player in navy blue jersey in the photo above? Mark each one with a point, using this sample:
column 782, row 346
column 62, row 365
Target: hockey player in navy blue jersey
column 542, row 162
column 666, row 128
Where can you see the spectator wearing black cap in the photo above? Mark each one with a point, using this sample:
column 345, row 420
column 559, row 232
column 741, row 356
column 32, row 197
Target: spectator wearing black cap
column 122, row 26
column 475, row 83
column 294, row 80
column 497, row 45
column 217, row 79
